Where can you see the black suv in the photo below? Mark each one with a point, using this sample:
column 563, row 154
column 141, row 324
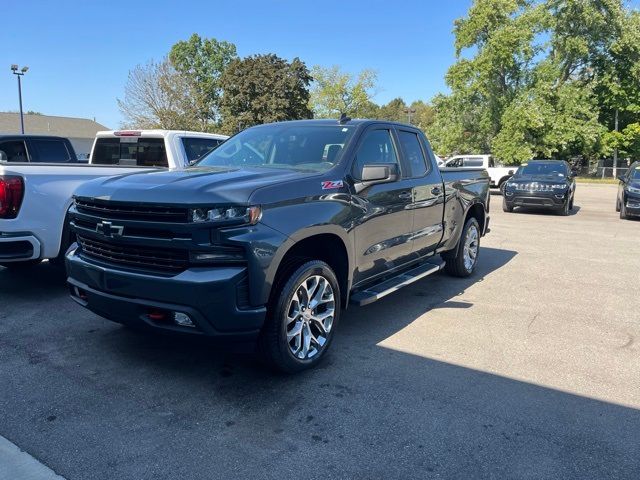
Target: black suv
column 628, row 201
column 548, row 184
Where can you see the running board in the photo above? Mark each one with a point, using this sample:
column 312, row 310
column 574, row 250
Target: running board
column 376, row 292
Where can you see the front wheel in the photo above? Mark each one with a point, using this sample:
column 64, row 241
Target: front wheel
column 462, row 261
column 623, row 211
column 301, row 318
column 506, row 207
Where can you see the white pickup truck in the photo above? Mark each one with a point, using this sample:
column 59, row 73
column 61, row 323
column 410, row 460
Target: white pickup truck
column 38, row 176
column 498, row 174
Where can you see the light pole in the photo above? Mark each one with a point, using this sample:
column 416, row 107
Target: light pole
column 23, row 70
column 409, row 112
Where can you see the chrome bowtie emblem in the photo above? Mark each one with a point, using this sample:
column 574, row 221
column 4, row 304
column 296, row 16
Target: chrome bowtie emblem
column 109, row 230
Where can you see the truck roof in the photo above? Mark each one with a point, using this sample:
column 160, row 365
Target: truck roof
column 157, row 133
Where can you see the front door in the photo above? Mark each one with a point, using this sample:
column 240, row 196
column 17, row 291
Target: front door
column 383, row 234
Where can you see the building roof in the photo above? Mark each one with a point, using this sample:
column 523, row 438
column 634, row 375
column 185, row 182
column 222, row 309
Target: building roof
column 50, row 125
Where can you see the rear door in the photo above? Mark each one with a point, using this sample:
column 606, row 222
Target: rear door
column 383, row 233
column 427, row 187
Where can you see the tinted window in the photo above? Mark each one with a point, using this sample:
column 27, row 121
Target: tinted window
column 308, row 148
column 473, row 162
column 13, row 151
column 197, row 148
column 413, row 152
column 634, row 173
column 50, row 151
column 543, row 168
column 376, row 148
column 130, row 151
column 454, row 163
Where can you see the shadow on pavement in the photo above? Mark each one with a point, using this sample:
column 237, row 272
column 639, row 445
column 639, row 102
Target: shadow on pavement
column 89, row 393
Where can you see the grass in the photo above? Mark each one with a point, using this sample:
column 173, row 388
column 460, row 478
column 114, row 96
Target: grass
column 606, row 181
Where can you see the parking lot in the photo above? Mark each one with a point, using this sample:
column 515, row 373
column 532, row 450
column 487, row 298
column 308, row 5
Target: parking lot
column 528, row 369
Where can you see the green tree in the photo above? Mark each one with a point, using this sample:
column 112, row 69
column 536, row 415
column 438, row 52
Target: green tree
column 201, row 62
column 264, row 88
column 335, row 92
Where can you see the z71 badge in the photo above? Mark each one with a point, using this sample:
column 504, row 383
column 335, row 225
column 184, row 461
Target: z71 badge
column 332, row 184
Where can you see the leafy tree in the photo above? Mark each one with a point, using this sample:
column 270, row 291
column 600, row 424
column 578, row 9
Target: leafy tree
column 156, row 96
column 201, row 62
column 335, row 92
column 264, row 88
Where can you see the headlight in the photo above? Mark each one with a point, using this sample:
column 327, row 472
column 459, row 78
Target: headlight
column 559, row 186
column 633, row 190
column 232, row 215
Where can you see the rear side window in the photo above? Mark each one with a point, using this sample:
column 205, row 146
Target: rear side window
column 413, row 153
column 376, row 148
column 13, row 151
column 50, row 151
column 196, row 148
column 130, row 151
column 473, row 162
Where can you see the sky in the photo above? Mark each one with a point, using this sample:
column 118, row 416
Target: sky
column 79, row 53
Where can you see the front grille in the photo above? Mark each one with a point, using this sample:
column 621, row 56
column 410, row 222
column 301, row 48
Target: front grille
column 162, row 259
column 132, row 212
column 534, row 187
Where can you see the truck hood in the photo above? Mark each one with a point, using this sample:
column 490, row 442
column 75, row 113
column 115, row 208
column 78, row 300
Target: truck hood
column 196, row 185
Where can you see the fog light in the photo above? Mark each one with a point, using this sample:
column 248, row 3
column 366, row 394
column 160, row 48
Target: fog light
column 182, row 320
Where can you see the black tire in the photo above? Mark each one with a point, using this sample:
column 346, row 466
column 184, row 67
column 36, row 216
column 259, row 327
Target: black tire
column 455, row 259
column 564, row 211
column 623, row 211
column 571, row 204
column 273, row 345
column 617, row 205
column 506, row 207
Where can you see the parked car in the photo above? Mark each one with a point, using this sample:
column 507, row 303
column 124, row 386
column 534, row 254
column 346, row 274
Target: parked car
column 39, row 174
column 269, row 235
column 498, row 174
column 628, row 200
column 541, row 184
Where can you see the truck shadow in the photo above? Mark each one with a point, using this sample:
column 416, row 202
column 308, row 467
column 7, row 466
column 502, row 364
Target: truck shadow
column 543, row 211
column 367, row 412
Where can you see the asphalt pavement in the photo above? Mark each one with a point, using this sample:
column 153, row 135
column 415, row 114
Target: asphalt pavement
column 529, row 369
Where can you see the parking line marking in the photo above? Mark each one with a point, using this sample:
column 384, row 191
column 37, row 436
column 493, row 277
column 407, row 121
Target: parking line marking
column 18, row 464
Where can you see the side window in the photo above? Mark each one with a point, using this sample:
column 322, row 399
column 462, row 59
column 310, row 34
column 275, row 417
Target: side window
column 454, row 163
column 376, row 148
column 473, row 162
column 413, row 153
column 492, row 163
column 50, row 151
column 198, row 147
column 13, row 151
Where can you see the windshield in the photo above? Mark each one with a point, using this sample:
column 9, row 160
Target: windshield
column 635, row 173
column 299, row 147
column 543, row 168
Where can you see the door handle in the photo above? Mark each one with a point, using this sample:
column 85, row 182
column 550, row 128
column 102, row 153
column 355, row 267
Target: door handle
column 436, row 191
column 406, row 195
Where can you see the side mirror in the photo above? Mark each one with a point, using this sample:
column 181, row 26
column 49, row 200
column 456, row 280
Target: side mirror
column 621, row 178
column 374, row 174
column 574, row 172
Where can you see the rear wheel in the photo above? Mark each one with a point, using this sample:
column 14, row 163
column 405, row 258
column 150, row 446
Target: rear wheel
column 301, row 318
column 462, row 261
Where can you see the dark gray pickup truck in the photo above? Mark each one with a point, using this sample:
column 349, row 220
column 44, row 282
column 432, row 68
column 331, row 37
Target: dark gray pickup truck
column 268, row 237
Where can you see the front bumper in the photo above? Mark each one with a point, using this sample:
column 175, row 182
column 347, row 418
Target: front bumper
column 632, row 205
column 551, row 200
column 19, row 247
column 209, row 296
